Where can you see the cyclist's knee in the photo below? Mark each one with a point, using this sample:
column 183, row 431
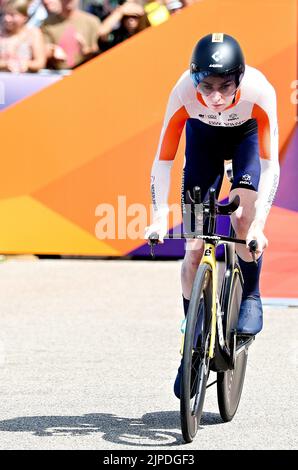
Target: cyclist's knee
column 244, row 215
column 242, row 222
column 194, row 247
column 193, row 255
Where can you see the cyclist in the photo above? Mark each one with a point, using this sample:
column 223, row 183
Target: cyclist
column 229, row 111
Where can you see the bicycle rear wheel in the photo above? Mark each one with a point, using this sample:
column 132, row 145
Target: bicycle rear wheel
column 195, row 361
column 230, row 382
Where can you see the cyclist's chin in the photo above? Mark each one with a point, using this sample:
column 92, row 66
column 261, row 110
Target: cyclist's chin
column 218, row 108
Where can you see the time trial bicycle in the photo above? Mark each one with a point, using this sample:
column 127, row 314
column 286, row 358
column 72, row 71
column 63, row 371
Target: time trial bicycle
column 209, row 334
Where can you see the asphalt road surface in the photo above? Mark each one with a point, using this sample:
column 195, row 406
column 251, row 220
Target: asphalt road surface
column 89, row 352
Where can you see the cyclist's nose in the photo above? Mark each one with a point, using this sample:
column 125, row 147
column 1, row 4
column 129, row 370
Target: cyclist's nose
column 216, row 97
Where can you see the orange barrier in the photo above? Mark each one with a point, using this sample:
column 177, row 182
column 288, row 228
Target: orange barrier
column 92, row 136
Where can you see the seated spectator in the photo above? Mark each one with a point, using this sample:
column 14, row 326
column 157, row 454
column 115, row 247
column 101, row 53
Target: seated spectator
column 22, row 49
column 125, row 21
column 39, row 10
column 71, row 36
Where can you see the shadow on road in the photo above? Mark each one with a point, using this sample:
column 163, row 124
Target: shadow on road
column 153, row 429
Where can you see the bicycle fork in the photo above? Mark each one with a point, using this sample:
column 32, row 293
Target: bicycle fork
column 209, row 258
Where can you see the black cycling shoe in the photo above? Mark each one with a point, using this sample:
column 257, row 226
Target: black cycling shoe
column 177, row 382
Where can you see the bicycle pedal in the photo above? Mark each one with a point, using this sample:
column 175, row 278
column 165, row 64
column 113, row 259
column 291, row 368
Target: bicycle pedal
column 243, row 338
column 243, row 342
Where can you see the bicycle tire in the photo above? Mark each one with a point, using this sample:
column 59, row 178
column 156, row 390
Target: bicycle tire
column 195, row 360
column 230, row 383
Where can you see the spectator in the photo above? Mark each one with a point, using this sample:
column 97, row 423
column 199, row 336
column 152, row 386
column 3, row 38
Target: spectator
column 174, row 6
column 103, row 8
column 125, row 21
column 71, row 36
column 39, row 10
column 189, row 2
column 22, row 49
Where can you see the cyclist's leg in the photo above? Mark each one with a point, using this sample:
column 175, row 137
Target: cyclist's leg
column 246, row 169
column 203, row 167
column 191, row 261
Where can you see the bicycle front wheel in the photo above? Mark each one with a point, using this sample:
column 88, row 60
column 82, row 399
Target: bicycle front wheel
column 195, row 361
column 230, row 382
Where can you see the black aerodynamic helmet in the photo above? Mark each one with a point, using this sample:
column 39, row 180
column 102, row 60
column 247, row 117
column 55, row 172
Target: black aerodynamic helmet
column 217, row 54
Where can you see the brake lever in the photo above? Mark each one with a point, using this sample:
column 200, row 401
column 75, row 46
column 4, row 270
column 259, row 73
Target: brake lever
column 153, row 240
column 253, row 245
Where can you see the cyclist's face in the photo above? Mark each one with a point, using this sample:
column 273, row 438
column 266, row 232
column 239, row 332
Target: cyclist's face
column 218, row 92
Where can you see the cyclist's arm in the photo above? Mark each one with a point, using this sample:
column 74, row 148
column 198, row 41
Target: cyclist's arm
column 175, row 118
column 264, row 111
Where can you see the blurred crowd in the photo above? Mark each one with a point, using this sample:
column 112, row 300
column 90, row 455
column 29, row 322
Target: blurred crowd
column 63, row 34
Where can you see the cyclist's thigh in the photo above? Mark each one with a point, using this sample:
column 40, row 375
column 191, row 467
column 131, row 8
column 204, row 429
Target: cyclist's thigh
column 246, row 171
column 246, row 163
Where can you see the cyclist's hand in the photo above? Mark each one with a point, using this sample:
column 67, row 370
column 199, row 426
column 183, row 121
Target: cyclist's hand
column 255, row 232
column 160, row 227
